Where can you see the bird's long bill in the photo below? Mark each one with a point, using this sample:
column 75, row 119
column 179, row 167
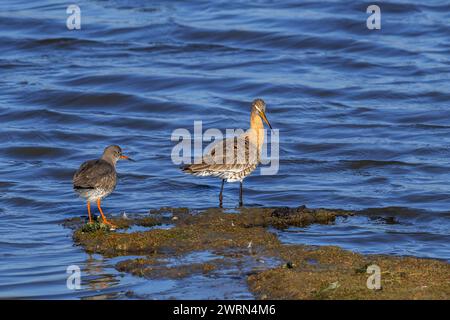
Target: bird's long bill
column 127, row 158
column 263, row 116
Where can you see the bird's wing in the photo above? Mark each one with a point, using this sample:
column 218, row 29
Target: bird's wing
column 232, row 151
column 233, row 155
column 92, row 174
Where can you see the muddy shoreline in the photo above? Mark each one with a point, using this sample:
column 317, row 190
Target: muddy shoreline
column 243, row 241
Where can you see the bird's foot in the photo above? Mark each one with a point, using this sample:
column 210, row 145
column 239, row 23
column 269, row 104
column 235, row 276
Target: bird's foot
column 110, row 225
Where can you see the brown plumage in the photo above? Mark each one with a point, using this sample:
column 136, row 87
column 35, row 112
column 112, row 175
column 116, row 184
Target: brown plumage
column 234, row 158
column 96, row 179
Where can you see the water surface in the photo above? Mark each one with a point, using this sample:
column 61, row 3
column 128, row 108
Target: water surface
column 363, row 118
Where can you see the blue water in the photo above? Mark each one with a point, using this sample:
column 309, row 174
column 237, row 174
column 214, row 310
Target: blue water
column 363, row 118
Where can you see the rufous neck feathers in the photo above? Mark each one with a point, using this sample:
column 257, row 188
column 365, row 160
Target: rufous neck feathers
column 256, row 130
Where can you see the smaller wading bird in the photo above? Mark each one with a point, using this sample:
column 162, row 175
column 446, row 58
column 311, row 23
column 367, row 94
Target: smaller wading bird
column 234, row 158
column 96, row 179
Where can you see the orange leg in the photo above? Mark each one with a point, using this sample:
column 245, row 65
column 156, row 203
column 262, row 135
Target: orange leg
column 89, row 211
column 103, row 216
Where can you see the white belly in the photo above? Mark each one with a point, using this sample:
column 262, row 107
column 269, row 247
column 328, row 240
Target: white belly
column 94, row 194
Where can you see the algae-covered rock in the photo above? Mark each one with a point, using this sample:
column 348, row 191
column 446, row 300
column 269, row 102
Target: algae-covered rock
column 301, row 272
column 300, row 217
column 157, row 269
column 341, row 274
column 212, row 229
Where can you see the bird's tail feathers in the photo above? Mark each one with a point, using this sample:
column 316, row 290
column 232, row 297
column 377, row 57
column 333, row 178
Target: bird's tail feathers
column 194, row 168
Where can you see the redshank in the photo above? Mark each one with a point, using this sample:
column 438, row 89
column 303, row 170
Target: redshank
column 96, row 179
column 234, row 158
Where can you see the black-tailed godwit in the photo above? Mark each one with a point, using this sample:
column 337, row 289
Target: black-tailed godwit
column 234, row 158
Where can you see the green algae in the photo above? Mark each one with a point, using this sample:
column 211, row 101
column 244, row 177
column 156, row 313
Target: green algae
column 341, row 274
column 95, row 226
column 304, row 272
column 152, row 268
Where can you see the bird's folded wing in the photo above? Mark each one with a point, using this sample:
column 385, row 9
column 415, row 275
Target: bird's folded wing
column 92, row 174
column 231, row 154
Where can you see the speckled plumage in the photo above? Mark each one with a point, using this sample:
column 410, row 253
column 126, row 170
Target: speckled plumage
column 234, row 158
column 238, row 165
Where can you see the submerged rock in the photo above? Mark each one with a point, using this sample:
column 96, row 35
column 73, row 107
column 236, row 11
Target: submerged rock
column 157, row 269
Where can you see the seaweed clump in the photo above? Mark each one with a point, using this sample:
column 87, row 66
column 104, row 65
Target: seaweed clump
column 301, row 272
column 341, row 274
column 302, row 216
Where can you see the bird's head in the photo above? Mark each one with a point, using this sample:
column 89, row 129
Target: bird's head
column 259, row 108
column 113, row 154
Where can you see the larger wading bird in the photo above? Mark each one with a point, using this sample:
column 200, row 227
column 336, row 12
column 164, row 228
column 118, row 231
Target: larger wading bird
column 97, row 179
column 234, row 158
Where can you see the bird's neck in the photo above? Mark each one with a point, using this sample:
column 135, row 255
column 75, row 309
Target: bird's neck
column 256, row 130
column 109, row 159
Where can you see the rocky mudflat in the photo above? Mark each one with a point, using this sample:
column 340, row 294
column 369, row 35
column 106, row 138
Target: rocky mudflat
column 243, row 241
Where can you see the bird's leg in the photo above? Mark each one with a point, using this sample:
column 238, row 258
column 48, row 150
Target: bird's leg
column 220, row 195
column 103, row 216
column 89, row 211
column 240, row 196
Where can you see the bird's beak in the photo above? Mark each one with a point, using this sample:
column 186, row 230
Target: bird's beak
column 263, row 116
column 127, row 158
